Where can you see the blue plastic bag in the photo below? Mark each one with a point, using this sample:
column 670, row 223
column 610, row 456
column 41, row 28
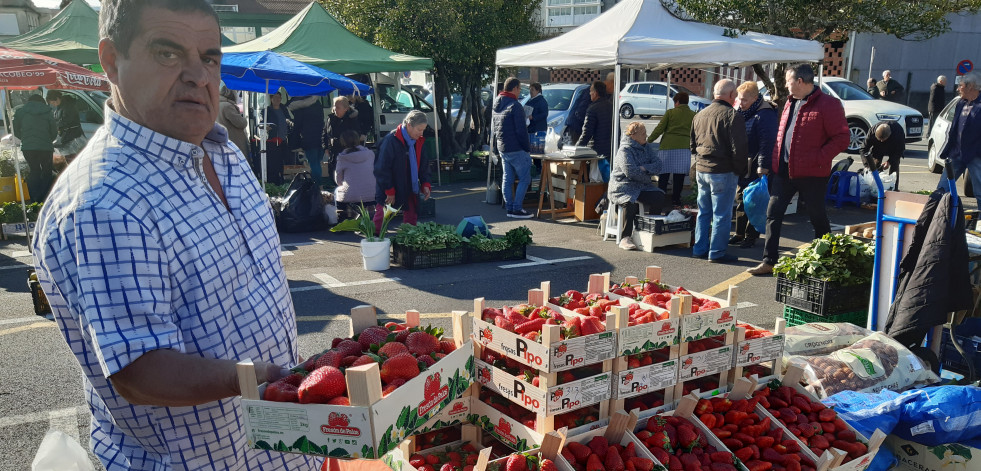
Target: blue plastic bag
column 604, row 168
column 756, row 197
column 942, row 414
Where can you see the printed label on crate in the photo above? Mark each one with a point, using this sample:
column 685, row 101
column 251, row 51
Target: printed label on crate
column 509, row 431
column 516, row 347
column 308, row 428
column 517, row 390
column 453, row 414
column 578, row 394
column 647, row 379
column 581, row 351
column 705, row 363
column 755, row 351
column 646, row 337
column 708, row 324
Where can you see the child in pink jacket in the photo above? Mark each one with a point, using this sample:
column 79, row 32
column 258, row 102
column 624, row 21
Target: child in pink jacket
column 354, row 174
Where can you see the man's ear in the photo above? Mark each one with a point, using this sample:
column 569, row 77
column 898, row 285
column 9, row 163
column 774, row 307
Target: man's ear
column 108, row 57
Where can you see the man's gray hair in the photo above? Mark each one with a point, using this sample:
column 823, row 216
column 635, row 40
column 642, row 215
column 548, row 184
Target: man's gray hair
column 723, row 88
column 941, row 78
column 973, row 78
column 119, row 20
column 415, row 118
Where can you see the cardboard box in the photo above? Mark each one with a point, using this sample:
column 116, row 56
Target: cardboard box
column 759, row 350
column 502, row 427
column 913, row 456
column 373, row 424
column 553, row 400
column 587, row 196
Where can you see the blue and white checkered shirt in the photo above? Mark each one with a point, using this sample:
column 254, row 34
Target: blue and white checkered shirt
column 136, row 253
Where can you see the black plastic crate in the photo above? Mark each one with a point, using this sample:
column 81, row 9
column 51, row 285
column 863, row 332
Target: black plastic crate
column 410, row 258
column 512, row 253
column 797, row 317
column 657, row 225
column 427, row 209
column 952, row 360
column 824, row 298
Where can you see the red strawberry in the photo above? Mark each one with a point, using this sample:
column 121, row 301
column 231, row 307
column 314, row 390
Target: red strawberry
column 422, row 343
column 613, row 462
column 364, row 360
column 322, row 385
column 402, row 335
column 348, row 347
column 662, row 456
column 580, row 451
column 599, row 445
column 432, row 459
column 516, row 462
column 446, row 467
column 328, row 358
column 447, row 346
column 372, row 336
column 687, row 437
column 568, row 455
column 335, row 341
column 391, row 387
column 400, row 366
column 284, row 389
column 417, row 460
column 340, row 401
column 391, row 349
column 348, row 361
column 548, row 465
column 427, row 360
column 642, row 464
column 594, row 463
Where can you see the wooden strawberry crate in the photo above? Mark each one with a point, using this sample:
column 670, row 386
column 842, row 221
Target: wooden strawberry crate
column 758, row 351
column 716, row 359
column 372, row 425
column 685, row 409
column 468, row 445
column 551, row 443
column 834, row 458
column 550, row 355
column 454, row 414
column 650, row 336
column 506, row 429
column 617, row 432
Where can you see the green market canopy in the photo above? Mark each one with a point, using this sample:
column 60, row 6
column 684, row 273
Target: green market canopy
column 72, row 36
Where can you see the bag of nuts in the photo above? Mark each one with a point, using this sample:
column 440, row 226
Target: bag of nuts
column 871, row 364
column 819, row 338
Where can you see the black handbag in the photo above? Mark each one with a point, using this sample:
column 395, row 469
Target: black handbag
column 303, row 206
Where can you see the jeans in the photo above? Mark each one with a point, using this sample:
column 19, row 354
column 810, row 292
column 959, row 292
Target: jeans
column 974, row 165
column 315, row 157
column 676, row 185
column 653, row 203
column 39, row 179
column 516, row 165
column 716, row 193
column 812, row 192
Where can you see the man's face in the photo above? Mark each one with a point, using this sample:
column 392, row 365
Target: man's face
column 341, row 107
column 746, row 100
column 276, row 100
column 943, row 81
column 415, row 132
column 534, row 92
column 593, row 96
column 886, row 76
column 55, row 102
column 169, row 83
column 967, row 91
column 798, row 89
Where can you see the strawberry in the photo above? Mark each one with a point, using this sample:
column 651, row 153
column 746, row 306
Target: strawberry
column 417, row 460
column 371, row 336
column 516, row 462
column 391, row 349
column 504, row 323
column 547, row 465
column 599, row 445
column 630, row 451
column 284, row 389
column 391, row 387
column 402, row 335
column 432, row 459
column 662, row 456
column 593, row 463
column 328, row 358
column 365, row 360
column 340, row 401
column 687, row 437
column 402, row 366
column 348, row 347
column 426, row 360
column 422, row 343
column 447, row 346
column 580, row 451
column 642, row 464
column 447, row 467
column 660, row 440
column 322, row 385
column 568, row 455
column 613, row 462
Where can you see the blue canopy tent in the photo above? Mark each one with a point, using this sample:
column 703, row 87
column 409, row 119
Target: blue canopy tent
column 266, row 71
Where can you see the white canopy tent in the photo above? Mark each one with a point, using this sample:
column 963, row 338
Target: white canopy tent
column 644, row 34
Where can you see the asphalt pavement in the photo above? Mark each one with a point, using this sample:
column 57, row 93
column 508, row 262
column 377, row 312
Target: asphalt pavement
column 40, row 381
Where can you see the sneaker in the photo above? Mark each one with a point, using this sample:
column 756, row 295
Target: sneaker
column 735, row 240
column 520, row 214
column 747, row 243
column 761, row 269
column 727, row 258
column 627, row 244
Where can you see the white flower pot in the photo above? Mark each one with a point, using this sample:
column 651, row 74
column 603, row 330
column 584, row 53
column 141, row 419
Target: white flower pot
column 376, row 255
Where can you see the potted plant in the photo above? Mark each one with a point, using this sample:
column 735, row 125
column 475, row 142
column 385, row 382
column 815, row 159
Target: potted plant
column 375, row 248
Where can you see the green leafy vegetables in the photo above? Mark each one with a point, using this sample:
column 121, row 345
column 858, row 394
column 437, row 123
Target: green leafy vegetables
column 835, row 257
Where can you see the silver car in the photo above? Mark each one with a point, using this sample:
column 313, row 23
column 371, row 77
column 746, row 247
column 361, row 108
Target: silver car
column 648, row 99
column 938, row 137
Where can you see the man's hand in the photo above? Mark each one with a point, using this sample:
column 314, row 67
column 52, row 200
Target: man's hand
column 425, row 193
column 885, row 165
column 762, row 171
column 390, row 200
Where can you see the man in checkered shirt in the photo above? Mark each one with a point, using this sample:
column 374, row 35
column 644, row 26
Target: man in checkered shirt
column 159, row 255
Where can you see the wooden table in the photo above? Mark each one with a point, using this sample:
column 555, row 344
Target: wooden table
column 568, row 164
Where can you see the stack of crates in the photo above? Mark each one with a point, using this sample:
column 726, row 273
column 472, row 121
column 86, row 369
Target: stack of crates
column 814, row 300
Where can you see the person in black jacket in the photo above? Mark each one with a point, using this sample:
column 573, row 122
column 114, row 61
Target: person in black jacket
column 402, row 170
column 577, row 116
column 938, row 98
column 343, row 118
column 510, row 141
column 886, row 144
column 308, row 118
column 71, row 138
column 598, row 127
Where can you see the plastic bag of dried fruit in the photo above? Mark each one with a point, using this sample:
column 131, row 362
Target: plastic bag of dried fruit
column 872, row 364
column 819, row 338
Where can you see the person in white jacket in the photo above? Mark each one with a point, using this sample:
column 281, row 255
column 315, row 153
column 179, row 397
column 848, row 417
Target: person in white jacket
column 354, row 174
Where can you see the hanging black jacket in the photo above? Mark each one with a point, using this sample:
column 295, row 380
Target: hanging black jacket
column 933, row 278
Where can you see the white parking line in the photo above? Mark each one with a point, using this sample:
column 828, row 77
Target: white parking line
column 331, row 282
column 15, row 420
column 21, row 253
column 541, row 261
column 65, row 420
column 21, row 320
column 24, row 266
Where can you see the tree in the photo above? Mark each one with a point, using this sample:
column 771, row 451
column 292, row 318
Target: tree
column 461, row 36
column 824, row 20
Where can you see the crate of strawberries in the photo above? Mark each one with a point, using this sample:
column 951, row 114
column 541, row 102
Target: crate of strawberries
column 311, row 411
column 679, row 442
column 650, row 326
column 611, row 448
column 755, row 345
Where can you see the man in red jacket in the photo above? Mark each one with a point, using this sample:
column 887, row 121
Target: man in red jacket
column 812, row 132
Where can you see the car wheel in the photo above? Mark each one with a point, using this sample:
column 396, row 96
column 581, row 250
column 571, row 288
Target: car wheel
column 626, row 111
column 645, row 116
column 858, row 132
column 933, row 160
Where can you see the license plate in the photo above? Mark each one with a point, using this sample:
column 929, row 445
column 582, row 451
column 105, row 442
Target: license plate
column 916, row 130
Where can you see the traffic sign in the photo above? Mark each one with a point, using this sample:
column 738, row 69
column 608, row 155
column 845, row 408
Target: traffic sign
column 964, row 67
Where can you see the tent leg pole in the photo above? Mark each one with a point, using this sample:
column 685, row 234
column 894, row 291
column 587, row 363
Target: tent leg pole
column 668, row 93
column 20, row 181
column 439, row 173
column 490, row 135
column 616, row 109
column 262, row 140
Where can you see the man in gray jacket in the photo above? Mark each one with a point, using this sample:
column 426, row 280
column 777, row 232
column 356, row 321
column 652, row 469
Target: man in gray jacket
column 718, row 143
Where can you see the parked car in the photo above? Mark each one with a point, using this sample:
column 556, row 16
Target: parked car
column 560, row 98
column 862, row 111
column 938, row 137
column 648, row 99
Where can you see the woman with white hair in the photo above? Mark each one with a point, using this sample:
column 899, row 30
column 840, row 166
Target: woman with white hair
column 231, row 118
column 402, row 169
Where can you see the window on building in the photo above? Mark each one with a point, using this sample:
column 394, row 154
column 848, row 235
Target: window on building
column 225, row 8
column 571, row 12
column 238, row 34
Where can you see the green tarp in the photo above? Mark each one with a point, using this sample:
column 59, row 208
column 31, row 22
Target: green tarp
column 316, row 38
column 72, row 36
